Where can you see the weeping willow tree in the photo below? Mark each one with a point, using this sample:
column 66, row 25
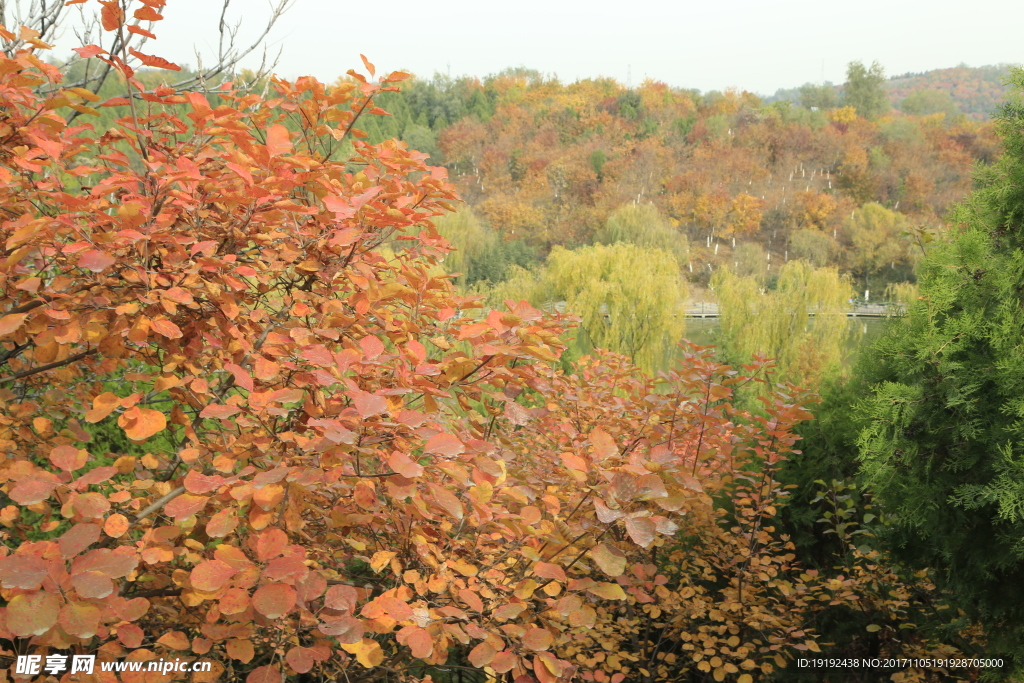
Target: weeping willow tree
column 480, row 255
column 629, row 299
column 644, row 226
column 779, row 323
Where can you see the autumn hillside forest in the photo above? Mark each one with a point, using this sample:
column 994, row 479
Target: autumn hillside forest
column 395, row 378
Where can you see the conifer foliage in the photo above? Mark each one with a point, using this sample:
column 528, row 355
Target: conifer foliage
column 944, row 435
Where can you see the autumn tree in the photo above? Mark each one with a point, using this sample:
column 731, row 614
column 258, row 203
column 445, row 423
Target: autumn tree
column 778, row 322
column 864, row 89
column 875, row 237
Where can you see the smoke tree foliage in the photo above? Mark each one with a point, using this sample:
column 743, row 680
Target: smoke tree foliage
column 777, row 322
column 943, row 436
column 347, row 473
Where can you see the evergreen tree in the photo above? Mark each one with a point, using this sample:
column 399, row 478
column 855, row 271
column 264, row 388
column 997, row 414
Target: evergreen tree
column 943, row 444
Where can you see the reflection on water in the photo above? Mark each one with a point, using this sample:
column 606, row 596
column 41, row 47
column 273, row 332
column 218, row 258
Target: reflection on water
column 704, row 331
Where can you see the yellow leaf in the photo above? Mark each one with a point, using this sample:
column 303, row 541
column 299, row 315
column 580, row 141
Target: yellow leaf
column 366, row 651
column 812, row 646
column 381, row 559
column 608, row 591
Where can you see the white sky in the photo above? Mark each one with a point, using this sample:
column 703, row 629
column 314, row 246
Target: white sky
column 757, row 45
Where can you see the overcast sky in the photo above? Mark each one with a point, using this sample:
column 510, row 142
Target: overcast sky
column 756, row 45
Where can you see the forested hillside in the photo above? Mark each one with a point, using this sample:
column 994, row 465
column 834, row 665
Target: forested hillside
column 747, row 184
column 974, row 92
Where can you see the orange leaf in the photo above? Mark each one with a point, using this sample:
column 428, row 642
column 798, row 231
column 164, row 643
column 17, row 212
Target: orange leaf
column 538, row 639
column 111, row 15
column 141, row 423
column 211, row 575
column 418, row 640
column 69, row 458
column 102, row 405
column 278, row 140
column 175, row 640
column 153, row 61
column 147, row 14
column 369, row 67
column 166, row 328
column 138, row 30
column 11, row 323
column 242, row 650
column 604, row 445
column 482, row 655
column 115, row 525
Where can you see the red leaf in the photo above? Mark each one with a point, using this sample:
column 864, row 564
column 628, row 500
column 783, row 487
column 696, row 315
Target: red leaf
column 341, row 598
column 368, row 404
column 185, row 506
column 366, row 63
column 265, row 674
column 80, row 619
column 222, row 523
column 504, row 662
column 219, row 411
column 346, row 629
column 165, row 327
column 196, row 482
column 95, row 260
column 300, row 659
column 111, row 563
column 274, row 600
column 92, row 584
column 641, row 530
column 154, row 61
column 34, row 490
column 130, row 635
column 211, row 575
column 69, row 458
column 371, row 346
column 76, row 539
column 444, row 444
column 87, row 51
column 22, row 571
column 447, row 500
column 404, row 465
column 546, row 570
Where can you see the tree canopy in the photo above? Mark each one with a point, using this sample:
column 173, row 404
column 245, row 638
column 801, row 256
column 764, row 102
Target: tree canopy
column 943, row 434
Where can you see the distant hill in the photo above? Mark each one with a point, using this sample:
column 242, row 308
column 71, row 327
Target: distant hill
column 976, row 91
column 972, row 91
